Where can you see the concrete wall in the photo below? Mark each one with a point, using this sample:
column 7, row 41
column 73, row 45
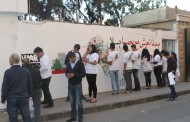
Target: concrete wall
column 55, row 38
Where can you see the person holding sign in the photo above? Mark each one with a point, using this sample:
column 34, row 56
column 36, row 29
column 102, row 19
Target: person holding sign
column 171, row 69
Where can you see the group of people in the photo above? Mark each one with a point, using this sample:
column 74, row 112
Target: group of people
column 21, row 84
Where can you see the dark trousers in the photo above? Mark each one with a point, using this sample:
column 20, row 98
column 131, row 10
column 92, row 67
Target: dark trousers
column 45, row 88
column 164, row 78
column 21, row 104
column 136, row 79
column 75, row 93
column 158, row 75
column 91, row 78
column 36, row 98
column 128, row 80
column 148, row 78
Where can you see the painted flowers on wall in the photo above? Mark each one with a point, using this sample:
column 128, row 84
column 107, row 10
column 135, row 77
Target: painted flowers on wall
column 102, row 51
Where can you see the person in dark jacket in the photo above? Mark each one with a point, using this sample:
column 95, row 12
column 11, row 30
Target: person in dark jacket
column 78, row 57
column 16, row 90
column 75, row 72
column 36, row 91
column 172, row 66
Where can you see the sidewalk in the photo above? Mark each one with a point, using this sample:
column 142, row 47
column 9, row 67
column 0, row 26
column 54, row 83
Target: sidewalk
column 106, row 101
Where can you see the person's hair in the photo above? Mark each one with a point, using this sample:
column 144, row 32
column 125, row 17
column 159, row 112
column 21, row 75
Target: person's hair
column 112, row 46
column 146, row 54
column 71, row 55
column 125, row 47
column 166, row 53
column 15, row 58
column 174, row 55
column 38, row 50
column 26, row 62
column 77, row 46
column 157, row 52
column 94, row 49
column 133, row 46
column 163, row 52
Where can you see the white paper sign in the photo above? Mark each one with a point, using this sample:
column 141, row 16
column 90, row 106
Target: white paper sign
column 171, row 77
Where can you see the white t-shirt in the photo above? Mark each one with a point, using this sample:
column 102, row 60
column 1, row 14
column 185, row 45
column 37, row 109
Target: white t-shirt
column 114, row 57
column 45, row 67
column 146, row 65
column 127, row 59
column 157, row 58
column 164, row 64
column 136, row 56
column 90, row 68
column 77, row 56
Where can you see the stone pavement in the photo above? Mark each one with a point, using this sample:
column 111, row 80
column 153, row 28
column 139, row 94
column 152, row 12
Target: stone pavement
column 106, row 101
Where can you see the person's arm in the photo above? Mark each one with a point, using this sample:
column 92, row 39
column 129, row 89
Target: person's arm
column 109, row 62
column 44, row 64
column 29, row 84
column 81, row 71
column 4, row 89
column 155, row 60
column 95, row 59
column 66, row 59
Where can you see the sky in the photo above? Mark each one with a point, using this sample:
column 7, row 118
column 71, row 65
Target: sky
column 181, row 4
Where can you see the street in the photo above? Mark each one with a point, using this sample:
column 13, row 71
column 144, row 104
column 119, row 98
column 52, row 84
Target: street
column 159, row 111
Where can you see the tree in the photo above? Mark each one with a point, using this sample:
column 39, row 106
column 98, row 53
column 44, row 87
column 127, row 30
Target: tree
column 57, row 65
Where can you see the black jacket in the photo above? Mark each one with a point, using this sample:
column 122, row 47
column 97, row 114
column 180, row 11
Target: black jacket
column 78, row 70
column 36, row 77
column 17, row 83
column 172, row 65
column 67, row 58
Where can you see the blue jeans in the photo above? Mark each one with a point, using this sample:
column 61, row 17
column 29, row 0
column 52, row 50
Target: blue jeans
column 173, row 92
column 114, row 81
column 22, row 104
column 75, row 93
column 36, row 97
column 136, row 79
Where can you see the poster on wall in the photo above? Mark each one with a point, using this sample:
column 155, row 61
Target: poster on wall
column 35, row 62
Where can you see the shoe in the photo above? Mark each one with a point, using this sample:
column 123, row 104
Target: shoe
column 93, row 101
column 43, row 102
column 135, row 89
column 49, row 106
column 113, row 93
column 71, row 120
column 67, row 100
column 171, row 99
column 88, row 99
column 146, row 87
column 83, row 97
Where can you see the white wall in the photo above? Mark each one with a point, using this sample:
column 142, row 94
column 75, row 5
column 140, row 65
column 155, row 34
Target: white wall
column 16, row 6
column 55, row 37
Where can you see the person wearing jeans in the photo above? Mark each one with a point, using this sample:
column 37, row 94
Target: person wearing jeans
column 17, row 90
column 135, row 58
column 75, row 72
column 146, row 67
column 113, row 62
column 127, row 69
column 46, row 74
column 36, row 91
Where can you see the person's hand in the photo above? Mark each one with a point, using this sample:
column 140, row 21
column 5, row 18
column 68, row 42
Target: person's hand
column 30, row 98
column 85, row 60
column 3, row 103
column 124, row 73
column 71, row 75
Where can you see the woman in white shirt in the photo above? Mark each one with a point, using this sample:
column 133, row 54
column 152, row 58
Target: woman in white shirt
column 91, row 59
column 164, row 70
column 157, row 61
column 146, row 66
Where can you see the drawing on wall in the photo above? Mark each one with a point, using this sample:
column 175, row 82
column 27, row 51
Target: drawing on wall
column 35, row 62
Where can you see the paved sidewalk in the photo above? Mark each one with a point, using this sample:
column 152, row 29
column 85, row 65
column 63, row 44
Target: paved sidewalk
column 106, row 101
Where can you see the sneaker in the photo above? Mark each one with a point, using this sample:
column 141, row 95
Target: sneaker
column 71, row 120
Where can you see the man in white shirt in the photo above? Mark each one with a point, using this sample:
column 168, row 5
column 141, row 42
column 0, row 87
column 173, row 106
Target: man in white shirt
column 127, row 69
column 136, row 58
column 46, row 74
column 113, row 62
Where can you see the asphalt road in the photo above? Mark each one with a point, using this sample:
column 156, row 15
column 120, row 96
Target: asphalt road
column 159, row 111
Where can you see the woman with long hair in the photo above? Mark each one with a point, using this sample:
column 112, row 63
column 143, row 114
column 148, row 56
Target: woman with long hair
column 146, row 66
column 158, row 67
column 91, row 59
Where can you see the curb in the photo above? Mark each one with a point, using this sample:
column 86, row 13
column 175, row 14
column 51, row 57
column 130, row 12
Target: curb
column 112, row 106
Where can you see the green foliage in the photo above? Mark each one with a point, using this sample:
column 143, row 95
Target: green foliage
column 57, row 65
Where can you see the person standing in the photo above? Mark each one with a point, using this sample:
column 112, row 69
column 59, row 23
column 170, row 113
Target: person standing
column 46, row 74
column 78, row 57
column 91, row 59
column 136, row 59
column 113, row 62
column 157, row 61
column 16, row 90
column 75, row 72
column 146, row 66
column 164, row 70
column 36, row 91
column 171, row 69
column 127, row 69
